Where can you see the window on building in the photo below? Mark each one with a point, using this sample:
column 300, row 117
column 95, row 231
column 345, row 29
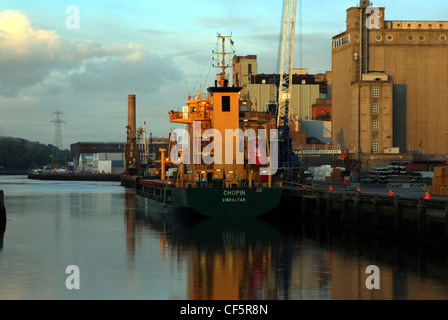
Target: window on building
column 375, row 92
column 375, row 125
column 375, row 147
column 249, row 68
column 225, row 101
column 375, row 108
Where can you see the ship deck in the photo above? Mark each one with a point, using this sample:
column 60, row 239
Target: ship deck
column 156, row 183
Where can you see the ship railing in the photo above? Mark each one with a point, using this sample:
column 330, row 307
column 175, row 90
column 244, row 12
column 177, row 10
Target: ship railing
column 154, row 197
column 209, row 185
column 255, row 115
column 151, row 195
column 218, row 183
column 201, row 115
column 179, row 116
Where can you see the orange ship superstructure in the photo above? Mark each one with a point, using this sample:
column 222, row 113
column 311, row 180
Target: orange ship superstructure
column 226, row 164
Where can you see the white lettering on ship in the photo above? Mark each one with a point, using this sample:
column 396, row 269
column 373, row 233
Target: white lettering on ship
column 234, row 196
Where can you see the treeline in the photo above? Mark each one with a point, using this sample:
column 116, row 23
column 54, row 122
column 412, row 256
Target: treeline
column 21, row 155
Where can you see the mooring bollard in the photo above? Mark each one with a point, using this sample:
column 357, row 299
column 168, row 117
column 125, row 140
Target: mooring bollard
column 2, row 212
column 396, row 215
column 357, row 209
column 446, row 222
column 375, row 218
column 420, row 218
column 2, row 218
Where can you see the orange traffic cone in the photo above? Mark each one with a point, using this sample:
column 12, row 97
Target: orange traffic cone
column 391, row 194
column 358, row 190
column 427, row 196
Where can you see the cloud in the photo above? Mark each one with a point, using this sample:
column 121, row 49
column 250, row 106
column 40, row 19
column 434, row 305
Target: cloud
column 316, row 51
column 156, row 32
column 16, row 28
column 268, row 37
column 126, row 75
column 25, row 53
column 30, row 54
column 42, row 72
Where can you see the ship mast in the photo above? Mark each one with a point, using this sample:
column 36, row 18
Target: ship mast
column 222, row 78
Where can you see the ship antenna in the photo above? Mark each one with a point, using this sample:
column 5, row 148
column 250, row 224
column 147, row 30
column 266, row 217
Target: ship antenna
column 222, row 78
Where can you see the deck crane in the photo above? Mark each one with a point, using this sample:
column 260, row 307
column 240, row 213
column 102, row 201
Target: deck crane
column 287, row 159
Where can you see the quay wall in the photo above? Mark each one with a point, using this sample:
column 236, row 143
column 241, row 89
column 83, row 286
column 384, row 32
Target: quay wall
column 128, row 181
column 415, row 219
column 75, row 177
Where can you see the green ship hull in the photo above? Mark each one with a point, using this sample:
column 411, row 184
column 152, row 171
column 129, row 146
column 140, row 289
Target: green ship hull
column 212, row 202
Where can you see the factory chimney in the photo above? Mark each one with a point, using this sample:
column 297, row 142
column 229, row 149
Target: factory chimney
column 131, row 118
column 132, row 152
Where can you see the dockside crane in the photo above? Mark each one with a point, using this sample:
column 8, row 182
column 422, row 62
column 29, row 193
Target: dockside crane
column 288, row 161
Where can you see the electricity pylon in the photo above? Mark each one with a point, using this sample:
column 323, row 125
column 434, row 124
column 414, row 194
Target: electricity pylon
column 57, row 131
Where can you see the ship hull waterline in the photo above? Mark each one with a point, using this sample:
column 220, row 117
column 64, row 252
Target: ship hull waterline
column 215, row 202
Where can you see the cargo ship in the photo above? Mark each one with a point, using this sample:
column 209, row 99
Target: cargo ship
column 218, row 174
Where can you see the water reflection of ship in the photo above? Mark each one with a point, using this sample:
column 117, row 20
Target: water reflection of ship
column 228, row 259
column 237, row 233
column 307, row 261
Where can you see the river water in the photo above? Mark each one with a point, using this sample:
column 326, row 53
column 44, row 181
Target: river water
column 123, row 250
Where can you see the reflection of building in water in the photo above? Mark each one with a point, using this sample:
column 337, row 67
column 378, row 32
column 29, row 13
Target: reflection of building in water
column 402, row 275
column 348, row 279
column 256, row 262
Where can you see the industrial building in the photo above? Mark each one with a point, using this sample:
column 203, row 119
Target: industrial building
column 97, row 157
column 109, row 157
column 390, row 85
column 260, row 89
column 310, row 93
column 153, row 146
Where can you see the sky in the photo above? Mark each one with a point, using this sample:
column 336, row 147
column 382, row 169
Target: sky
column 157, row 50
